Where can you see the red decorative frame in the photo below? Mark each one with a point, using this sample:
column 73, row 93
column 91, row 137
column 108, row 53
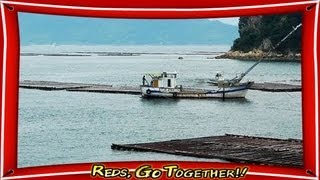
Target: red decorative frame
column 9, row 50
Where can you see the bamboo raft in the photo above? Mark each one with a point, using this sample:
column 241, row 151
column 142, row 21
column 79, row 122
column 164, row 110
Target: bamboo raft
column 105, row 88
column 82, row 87
column 276, row 87
column 233, row 148
column 53, row 85
column 110, row 89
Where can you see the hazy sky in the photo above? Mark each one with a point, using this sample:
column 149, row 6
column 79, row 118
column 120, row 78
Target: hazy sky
column 232, row 21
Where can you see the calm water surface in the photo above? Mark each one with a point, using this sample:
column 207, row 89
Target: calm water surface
column 69, row 127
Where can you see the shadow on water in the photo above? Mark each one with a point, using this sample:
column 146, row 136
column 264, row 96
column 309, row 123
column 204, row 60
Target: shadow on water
column 235, row 101
column 225, row 101
column 159, row 101
column 167, row 101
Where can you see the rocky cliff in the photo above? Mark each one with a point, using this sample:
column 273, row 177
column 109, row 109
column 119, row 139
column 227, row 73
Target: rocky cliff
column 259, row 34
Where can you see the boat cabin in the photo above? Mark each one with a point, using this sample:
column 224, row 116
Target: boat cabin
column 162, row 80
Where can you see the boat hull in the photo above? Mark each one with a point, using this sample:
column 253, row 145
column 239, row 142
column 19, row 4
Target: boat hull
column 230, row 92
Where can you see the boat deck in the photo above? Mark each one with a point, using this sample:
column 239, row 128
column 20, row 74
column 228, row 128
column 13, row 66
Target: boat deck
column 135, row 90
column 234, row 148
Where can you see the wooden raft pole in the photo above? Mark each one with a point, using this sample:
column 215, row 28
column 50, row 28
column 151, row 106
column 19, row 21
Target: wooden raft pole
column 234, row 148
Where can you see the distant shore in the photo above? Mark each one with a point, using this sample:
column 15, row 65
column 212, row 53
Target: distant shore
column 89, row 53
column 257, row 55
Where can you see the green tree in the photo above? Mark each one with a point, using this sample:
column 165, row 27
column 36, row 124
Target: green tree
column 254, row 30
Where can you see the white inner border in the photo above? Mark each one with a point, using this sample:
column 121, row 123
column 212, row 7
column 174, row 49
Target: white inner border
column 3, row 87
column 158, row 9
column 2, row 2
column 315, row 56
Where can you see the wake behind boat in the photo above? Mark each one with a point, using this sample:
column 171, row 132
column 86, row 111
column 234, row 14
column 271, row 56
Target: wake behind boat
column 164, row 85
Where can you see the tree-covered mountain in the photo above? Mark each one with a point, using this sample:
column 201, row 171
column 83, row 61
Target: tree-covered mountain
column 264, row 32
column 47, row 29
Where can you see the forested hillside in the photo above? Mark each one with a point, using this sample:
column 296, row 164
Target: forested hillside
column 49, row 29
column 264, row 32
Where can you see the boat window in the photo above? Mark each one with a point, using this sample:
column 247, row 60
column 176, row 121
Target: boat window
column 169, row 82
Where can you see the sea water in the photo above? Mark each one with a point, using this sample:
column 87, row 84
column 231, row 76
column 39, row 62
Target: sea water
column 57, row 127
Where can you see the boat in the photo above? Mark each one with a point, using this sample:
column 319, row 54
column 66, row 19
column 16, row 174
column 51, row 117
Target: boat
column 237, row 79
column 180, row 57
column 220, row 78
column 165, row 85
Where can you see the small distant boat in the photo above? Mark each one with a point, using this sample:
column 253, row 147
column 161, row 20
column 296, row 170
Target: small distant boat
column 180, row 57
column 164, row 85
